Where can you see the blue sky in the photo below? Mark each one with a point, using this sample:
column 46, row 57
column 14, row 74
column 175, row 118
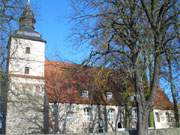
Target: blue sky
column 53, row 22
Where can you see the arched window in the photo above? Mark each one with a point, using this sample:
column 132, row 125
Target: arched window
column 168, row 117
column 157, row 117
column 119, row 125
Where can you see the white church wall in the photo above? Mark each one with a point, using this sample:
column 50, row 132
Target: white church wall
column 163, row 118
column 79, row 121
column 19, row 59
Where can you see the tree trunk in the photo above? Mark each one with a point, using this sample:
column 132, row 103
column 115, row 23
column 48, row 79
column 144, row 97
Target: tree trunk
column 3, row 102
column 142, row 116
column 126, row 117
column 56, row 118
column 105, row 119
column 46, row 114
column 151, row 119
column 173, row 91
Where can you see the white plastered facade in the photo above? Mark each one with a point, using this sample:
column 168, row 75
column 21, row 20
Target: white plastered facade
column 165, row 118
column 78, row 122
column 26, row 91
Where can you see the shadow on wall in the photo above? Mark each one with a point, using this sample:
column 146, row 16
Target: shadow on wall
column 170, row 131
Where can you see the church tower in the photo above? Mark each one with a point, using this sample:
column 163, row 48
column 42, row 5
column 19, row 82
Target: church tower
column 26, row 77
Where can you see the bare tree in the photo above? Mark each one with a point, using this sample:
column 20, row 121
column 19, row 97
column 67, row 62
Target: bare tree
column 172, row 62
column 9, row 12
column 123, row 34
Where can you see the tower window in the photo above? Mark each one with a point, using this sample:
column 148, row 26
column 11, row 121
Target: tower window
column 26, row 71
column 28, row 51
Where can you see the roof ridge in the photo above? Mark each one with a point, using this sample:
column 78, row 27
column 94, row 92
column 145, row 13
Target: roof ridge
column 60, row 62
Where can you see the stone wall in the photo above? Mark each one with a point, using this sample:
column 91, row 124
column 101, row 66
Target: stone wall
column 169, row 131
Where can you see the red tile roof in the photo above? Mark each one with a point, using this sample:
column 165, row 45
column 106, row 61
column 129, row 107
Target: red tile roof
column 161, row 101
column 64, row 84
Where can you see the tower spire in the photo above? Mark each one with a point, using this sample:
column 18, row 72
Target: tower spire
column 27, row 19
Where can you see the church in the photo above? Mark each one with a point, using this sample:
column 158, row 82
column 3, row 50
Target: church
column 45, row 94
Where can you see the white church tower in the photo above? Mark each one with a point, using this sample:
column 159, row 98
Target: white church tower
column 26, row 77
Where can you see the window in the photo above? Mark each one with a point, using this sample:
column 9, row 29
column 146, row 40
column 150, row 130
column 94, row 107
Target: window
column 70, row 116
column 157, row 117
column 109, row 95
column 87, row 114
column 168, row 117
column 28, row 51
column 85, row 93
column 111, row 114
column 119, row 125
column 134, row 113
column 26, row 70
